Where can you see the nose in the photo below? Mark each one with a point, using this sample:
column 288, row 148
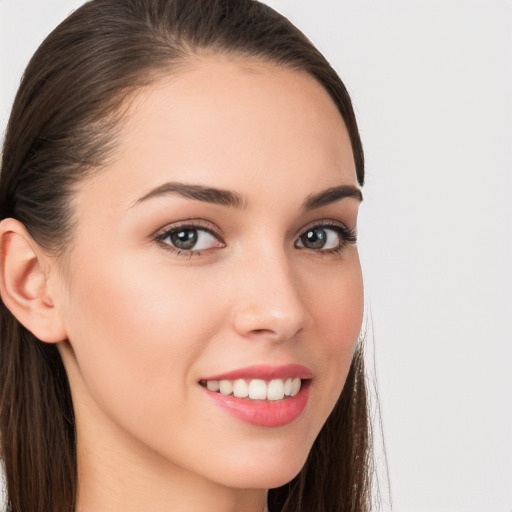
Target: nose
column 270, row 303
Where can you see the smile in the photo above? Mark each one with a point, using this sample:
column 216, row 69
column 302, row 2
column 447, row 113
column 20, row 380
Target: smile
column 255, row 389
column 264, row 396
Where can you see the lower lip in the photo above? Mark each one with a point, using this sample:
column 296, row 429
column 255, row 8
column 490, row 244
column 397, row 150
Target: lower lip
column 264, row 413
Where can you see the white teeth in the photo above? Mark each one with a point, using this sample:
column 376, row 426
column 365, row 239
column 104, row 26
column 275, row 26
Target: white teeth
column 226, row 387
column 256, row 389
column 295, row 387
column 275, row 390
column 213, row 385
column 288, row 387
column 240, row 388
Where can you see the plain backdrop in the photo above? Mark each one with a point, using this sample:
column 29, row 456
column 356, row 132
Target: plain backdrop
column 432, row 88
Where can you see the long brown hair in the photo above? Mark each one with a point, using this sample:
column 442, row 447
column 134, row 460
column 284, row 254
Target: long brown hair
column 63, row 128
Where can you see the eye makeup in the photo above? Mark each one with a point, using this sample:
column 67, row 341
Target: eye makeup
column 190, row 238
column 194, row 237
column 326, row 237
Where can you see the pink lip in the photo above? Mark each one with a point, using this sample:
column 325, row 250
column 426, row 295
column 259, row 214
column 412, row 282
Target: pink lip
column 264, row 413
column 266, row 372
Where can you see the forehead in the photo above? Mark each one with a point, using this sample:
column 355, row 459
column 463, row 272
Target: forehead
column 232, row 123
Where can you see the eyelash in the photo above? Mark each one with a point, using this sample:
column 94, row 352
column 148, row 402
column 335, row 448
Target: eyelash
column 346, row 235
column 188, row 226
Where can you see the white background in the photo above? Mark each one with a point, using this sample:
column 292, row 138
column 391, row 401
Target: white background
column 432, row 87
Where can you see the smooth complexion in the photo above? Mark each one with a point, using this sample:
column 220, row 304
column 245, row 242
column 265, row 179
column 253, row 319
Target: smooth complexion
column 146, row 322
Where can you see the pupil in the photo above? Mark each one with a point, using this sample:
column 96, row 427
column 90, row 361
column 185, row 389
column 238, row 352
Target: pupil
column 184, row 239
column 314, row 238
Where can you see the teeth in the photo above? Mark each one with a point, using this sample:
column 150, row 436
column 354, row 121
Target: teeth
column 240, row 388
column 256, row 389
column 295, row 387
column 288, row 387
column 213, row 385
column 275, row 390
column 226, row 387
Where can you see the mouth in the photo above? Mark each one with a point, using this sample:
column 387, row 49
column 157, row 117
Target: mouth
column 255, row 389
column 265, row 396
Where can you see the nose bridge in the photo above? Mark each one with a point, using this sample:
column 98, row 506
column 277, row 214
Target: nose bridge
column 269, row 301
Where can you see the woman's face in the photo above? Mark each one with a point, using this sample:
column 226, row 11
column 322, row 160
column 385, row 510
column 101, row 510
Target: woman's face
column 216, row 249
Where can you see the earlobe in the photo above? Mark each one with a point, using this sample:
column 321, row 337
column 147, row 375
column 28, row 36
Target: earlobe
column 24, row 283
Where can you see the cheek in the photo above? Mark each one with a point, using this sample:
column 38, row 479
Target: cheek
column 136, row 328
column 337, row 309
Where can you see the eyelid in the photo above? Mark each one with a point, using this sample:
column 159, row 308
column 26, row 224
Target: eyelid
column 327, row 223
column 193, row 224
column 347, row 236
column 199, row 224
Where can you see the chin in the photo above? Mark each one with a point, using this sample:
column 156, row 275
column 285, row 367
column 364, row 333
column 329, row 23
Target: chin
column 264, row 479
column 265, row 472
column 279, row 478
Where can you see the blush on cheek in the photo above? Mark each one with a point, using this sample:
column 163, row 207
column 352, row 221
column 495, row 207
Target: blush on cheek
column 340, row 336
column 341, row 326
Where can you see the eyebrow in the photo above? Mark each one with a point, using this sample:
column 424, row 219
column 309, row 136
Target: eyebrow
column 332, row 195
column 234, row 200
column 199, row 193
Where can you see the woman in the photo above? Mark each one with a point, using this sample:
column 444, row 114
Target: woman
column 181, row 289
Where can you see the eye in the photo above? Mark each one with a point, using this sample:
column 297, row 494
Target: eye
column 328, row 238
column 189, row 239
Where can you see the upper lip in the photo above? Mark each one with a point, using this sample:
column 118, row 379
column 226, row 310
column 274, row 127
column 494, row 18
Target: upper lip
column 265, row 372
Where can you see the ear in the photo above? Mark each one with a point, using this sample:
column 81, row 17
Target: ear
column 24, row 285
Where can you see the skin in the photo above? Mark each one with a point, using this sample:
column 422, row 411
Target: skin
column 143, row 324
